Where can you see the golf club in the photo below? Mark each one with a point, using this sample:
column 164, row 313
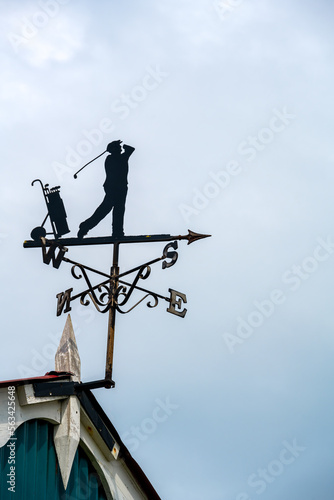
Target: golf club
column 76, row 173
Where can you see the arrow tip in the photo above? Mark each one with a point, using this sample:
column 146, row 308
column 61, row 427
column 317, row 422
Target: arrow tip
column 192, row 236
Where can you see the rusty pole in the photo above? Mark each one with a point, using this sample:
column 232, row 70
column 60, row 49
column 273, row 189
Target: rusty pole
column 111, row 322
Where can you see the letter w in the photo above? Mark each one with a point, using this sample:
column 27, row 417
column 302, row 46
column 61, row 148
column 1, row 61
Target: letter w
column 51, row 253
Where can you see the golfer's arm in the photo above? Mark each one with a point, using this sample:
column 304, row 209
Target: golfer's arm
column 128, row 150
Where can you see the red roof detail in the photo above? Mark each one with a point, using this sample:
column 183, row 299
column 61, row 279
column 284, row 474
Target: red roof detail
column 47, row 376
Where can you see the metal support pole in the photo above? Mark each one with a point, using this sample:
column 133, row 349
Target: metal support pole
column 111, row 322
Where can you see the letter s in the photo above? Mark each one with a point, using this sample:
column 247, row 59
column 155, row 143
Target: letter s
column 256, row 484
column 288, row 278
column 243, row 150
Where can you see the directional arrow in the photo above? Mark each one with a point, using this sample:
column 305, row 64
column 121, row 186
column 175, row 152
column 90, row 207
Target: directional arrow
column 106, row 240
column 192, row 236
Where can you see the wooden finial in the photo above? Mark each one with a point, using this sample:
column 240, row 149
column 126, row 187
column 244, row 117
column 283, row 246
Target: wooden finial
column 67, row 357
column 67, row 433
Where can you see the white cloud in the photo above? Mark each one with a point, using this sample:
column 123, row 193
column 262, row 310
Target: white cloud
column 60, row 43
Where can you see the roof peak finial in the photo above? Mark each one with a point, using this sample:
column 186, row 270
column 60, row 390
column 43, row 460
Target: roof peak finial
column 67, row 357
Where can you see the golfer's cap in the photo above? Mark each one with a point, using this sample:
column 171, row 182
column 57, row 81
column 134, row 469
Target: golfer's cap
column 112, row 145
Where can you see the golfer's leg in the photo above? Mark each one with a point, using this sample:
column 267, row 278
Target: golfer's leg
column 97, row 216
column 101, row 211
column 118, row 215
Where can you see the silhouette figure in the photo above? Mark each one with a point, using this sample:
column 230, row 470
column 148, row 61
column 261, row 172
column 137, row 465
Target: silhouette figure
column 115, row 187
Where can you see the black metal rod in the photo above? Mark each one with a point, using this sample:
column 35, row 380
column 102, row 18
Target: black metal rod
column 45, row 219
column 112, row 316
column 102, row 240
column 94, row 385
column 141, row 266
column 107, row 240
column 65, row 259
column 144, row 290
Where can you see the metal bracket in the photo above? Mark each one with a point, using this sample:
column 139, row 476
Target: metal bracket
column 68, row 388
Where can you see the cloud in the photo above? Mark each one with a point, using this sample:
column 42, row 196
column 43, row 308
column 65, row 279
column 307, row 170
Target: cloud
column 44, row 32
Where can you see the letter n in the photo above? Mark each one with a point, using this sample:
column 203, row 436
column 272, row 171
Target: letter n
column 51, row 253
column 64, row 299
column 175, row 301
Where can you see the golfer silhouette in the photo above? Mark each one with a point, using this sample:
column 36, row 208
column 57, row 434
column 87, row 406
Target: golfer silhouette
column 115, row 187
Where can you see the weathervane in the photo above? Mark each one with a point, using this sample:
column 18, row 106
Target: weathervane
column 113, row 293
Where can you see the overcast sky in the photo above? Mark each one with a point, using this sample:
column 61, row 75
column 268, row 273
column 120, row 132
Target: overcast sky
column 229, row 106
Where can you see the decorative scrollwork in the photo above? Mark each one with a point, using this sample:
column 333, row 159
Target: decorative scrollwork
column 125, row 292
column 141, row 274
column 73, row 272
column 150, row 294
column 113, row 292
column 121, row 292
column 103, row 300
column 156, row 300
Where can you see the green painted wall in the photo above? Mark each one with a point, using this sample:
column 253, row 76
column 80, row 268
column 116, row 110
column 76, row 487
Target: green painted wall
column 37, row 475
